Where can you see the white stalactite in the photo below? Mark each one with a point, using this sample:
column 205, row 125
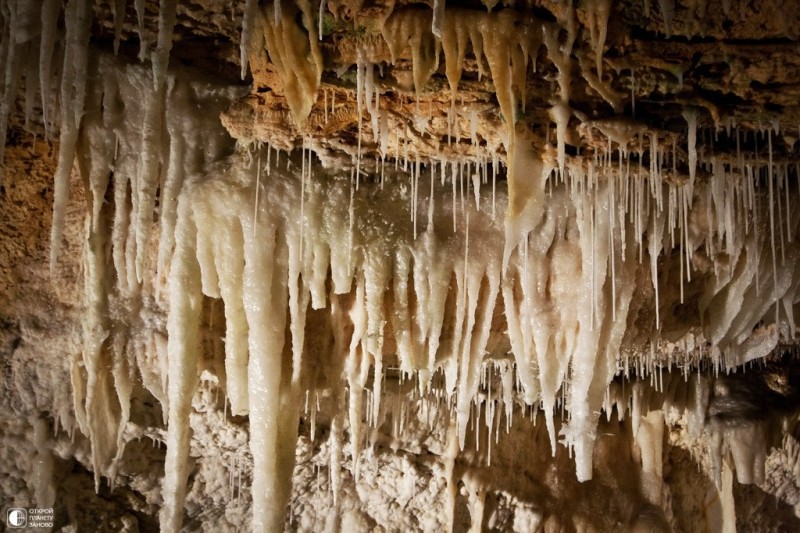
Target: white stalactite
column 183, row 325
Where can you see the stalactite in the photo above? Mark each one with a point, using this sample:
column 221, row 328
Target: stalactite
column 183, row 324
column 295, row 52
column 248, row 23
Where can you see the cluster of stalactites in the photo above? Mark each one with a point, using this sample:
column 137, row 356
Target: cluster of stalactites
column 139, row 125
column 563, row 265
column 97, row 99
column 507, row 40
column 133, row 143
column 566, row 290
column 290, row 37
column 33, row 47
column 92, row 93
column 272, row 238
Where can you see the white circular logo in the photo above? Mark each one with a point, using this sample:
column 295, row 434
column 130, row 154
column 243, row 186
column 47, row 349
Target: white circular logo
column 17, row 517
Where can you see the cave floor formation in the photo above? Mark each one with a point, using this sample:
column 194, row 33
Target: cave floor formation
column 392, row 265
